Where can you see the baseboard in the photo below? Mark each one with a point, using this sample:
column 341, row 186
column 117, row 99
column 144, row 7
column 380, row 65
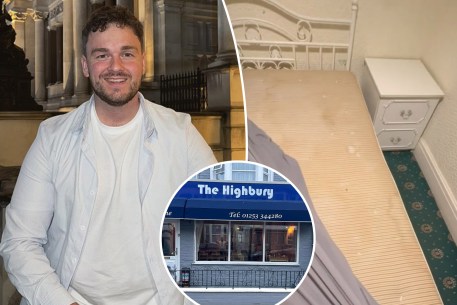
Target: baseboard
column 445, row 199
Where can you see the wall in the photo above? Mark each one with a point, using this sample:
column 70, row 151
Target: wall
column 392, row 29
column 18, row 132
column 440, row 137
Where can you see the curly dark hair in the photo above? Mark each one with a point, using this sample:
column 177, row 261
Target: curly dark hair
column 104, row 16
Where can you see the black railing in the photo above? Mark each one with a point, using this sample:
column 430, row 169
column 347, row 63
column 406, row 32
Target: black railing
column 184, row 92
column 237, row 278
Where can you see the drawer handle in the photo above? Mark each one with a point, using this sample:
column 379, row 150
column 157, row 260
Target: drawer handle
column 395, row 141
column 406, row 114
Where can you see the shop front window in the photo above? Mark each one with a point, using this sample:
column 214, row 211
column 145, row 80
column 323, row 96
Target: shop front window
column 249, row 241
column 280, row 242
column 212, row 237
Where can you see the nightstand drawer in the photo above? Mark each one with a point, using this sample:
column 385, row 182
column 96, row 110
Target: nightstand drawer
column 397, row 138
column 401, row 97
column 405, row 111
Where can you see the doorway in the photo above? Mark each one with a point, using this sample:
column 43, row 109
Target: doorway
column 170, row 247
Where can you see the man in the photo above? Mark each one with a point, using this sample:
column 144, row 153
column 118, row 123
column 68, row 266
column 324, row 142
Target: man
column 83, row 226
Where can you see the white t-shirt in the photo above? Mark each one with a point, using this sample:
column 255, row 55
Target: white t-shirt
column 112, row 268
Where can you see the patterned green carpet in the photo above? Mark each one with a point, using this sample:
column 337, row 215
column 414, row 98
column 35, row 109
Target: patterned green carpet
column 437, row 244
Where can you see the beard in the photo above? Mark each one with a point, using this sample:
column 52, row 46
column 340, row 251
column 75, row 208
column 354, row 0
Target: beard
column 115, row 98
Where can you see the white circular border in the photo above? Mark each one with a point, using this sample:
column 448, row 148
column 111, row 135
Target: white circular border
column 260, row 165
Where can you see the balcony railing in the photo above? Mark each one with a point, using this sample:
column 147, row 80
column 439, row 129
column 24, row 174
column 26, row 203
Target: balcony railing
column 237, row 278
column 186, row 92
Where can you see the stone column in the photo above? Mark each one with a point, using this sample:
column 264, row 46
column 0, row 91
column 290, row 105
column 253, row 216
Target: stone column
column 59, row 51
column 226, row 47
column 159, row 31
column 68, row 62
column 81, row 92
column 40, row 86
column 225, row 93
column 148, row 23
column 19, row 27
column 168, row 52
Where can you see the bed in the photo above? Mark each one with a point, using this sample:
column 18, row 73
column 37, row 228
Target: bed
column 310, row 120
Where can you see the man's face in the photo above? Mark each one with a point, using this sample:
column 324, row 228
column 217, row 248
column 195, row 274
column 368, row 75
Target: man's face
column 114, row 63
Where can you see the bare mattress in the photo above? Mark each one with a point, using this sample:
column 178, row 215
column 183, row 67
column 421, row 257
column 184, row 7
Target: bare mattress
column 319, row 118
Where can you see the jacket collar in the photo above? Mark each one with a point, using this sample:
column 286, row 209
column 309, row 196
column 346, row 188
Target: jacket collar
column 82, row 120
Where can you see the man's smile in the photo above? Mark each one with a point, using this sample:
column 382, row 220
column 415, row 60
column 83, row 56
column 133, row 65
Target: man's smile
column 116, row 80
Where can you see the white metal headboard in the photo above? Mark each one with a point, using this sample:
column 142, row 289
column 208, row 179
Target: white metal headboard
column 292, row 41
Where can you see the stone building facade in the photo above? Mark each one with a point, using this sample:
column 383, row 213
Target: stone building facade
column 180, row 36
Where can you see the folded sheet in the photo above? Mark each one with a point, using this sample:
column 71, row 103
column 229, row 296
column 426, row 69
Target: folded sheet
column 330, row 279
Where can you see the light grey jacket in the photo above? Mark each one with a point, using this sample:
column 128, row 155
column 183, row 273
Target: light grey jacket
column 55, row 192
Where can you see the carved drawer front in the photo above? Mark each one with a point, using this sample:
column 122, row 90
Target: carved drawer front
column 405, row 112
column 397, row 139
column 401, row 97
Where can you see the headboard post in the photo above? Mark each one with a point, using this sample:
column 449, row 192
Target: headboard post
column 355, row 8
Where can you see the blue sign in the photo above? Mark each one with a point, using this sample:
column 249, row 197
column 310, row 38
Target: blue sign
column 238, row 201
column 238, row 190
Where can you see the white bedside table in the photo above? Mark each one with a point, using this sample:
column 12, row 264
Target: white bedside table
column 401, row 96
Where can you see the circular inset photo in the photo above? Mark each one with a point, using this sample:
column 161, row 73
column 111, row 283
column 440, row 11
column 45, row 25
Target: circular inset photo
column 238, row 233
